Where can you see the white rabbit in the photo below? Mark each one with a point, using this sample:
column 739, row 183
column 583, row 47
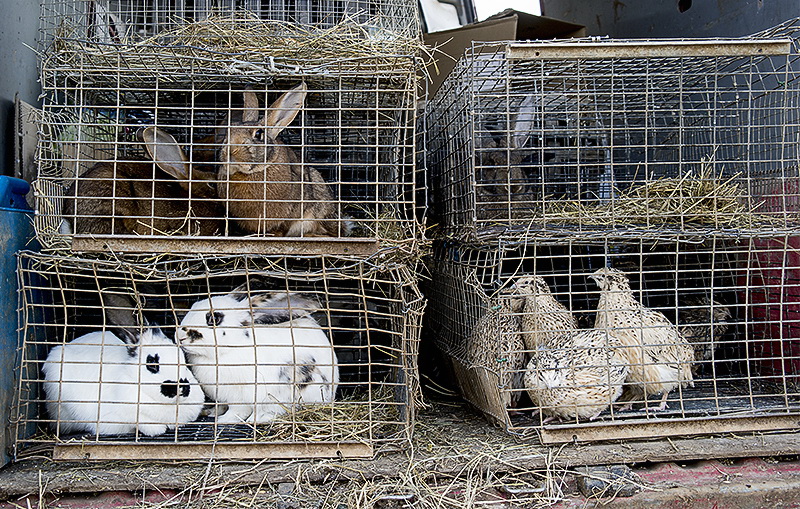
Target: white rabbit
column 109, row 383
column 262, row 355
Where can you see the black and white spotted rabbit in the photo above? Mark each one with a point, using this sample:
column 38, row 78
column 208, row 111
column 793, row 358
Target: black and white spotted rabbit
column 261, row 354
column 130, row 378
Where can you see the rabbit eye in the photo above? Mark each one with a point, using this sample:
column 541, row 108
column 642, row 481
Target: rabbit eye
column 152, row 363
column 258, row 135
column 214, row 318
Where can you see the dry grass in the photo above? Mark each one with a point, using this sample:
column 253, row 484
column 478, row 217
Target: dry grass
column 455, row 460
column 700, row 198
column 354, row 419
column 242, row 44
column 481, row 479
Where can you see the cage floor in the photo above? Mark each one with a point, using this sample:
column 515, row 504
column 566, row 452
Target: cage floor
column 204, row 430
column 708, row 398
column 201, row 430
column 352, row 420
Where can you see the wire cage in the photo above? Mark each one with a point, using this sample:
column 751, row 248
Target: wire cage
column 104, row 23
column 712, row 328
column 561, row 138
column 149, row 161
column 232, row 357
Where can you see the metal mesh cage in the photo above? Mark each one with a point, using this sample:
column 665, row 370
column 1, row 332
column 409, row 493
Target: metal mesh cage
column 561, row 138
column 128, row 158
column 103, row 23
column 296, row 357
column 537, row 360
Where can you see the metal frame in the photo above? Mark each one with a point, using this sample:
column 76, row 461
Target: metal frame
column 370, row 309
column 747, row 353
column 554, row 139
column 228, row 451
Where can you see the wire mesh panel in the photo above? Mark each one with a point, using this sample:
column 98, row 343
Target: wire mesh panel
column 677, row 337
column 122, row 22
column 567, row 137
column 130, row 157
column 235, row 357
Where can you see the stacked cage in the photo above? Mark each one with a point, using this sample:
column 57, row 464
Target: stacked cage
column 618, row 227
column 226, row 200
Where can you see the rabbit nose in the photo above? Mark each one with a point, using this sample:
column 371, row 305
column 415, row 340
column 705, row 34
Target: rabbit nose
column 169, row 389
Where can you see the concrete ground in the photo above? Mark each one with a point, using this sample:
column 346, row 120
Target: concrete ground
column 456, row 460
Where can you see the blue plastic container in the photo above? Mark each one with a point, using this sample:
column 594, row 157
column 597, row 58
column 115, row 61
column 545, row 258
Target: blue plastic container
column 16, row 233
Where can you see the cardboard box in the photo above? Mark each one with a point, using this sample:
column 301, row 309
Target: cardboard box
column 504, row 26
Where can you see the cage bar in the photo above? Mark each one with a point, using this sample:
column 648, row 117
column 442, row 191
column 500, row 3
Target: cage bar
column 572, row 138
column 732, row 300
column 105, row 24
column 303, row 318
column 343, row 170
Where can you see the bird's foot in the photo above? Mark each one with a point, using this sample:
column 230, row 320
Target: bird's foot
column 627, row 407
column 663, row 405
column 660, row 408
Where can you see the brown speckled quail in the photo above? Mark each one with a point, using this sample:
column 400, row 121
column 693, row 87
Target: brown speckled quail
column 495, row 344
column 572, row 373
column 702, row 321
column 543, row 317
column 659, row 358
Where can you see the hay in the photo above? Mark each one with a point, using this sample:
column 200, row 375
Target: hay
column 455, row 461
column 245, row 34
column 701, row 198
column 243, row 44
column 406, row 236
column 352, row 419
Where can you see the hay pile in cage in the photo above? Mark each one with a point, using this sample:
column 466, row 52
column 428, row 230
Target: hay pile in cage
column 701, row 198
column 242, row 44
column 352, row 419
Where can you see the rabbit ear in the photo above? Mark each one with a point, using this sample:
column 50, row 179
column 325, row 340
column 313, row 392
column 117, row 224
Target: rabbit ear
column 127, row 322
column 524, row 122
column 248, row 288
column 283, row 111
column 251, row 112
column 272, row 309
column 165, row 151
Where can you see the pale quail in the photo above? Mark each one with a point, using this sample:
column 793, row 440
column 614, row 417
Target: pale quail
column 495, row 344
column 543, row 317
column 572, row 373
column 659, row 359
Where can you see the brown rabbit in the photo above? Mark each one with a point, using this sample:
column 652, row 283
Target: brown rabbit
column 123, row 198
column 268, row 189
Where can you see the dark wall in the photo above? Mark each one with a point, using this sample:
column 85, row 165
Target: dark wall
column 662, row 18
column 19, row 23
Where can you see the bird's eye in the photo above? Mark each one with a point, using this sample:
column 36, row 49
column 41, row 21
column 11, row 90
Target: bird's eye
column 258, row 135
